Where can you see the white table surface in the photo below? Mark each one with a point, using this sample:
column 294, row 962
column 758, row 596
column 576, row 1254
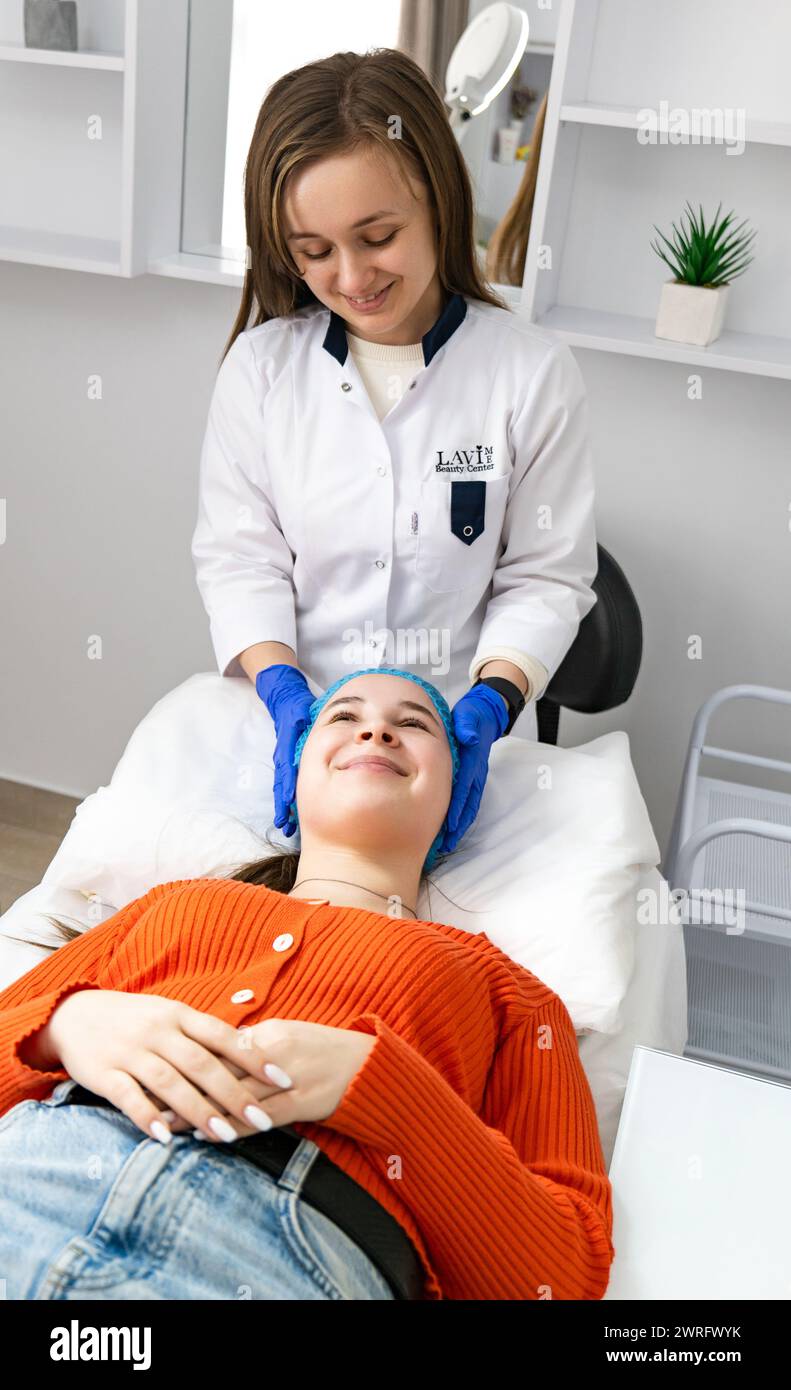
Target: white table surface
column 701, row 1177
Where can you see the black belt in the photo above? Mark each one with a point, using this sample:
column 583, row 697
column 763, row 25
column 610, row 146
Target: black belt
column 332, row 1192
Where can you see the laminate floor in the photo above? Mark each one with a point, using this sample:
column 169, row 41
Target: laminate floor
column 33, row 823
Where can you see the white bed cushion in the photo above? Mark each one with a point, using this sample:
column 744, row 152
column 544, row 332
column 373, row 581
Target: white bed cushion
column 549, row 870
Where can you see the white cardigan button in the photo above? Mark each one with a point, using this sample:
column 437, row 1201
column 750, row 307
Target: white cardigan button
column 282, row 943
column 241, row 996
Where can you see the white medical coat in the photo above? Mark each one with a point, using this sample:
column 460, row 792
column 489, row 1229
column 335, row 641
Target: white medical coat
column 458, row 526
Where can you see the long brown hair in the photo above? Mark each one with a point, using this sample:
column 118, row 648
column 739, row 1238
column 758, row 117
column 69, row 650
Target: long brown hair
column 331, row 107
column 505, row 254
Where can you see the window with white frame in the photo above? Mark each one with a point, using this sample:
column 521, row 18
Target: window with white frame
column 238, row 48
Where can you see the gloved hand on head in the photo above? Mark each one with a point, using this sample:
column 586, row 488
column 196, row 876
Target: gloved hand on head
column 289, row 698
column 442, row 709
column 480, row 717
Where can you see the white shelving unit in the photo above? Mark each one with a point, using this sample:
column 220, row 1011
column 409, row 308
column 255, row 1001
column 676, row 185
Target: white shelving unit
column 601, row 193
column 727, row 838
column 90, row 169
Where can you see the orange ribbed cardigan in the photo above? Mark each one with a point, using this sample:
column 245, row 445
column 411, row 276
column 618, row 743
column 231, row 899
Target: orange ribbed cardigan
column 471, row 1119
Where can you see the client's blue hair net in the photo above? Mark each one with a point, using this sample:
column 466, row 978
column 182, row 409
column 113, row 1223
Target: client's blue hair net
column 442, row 708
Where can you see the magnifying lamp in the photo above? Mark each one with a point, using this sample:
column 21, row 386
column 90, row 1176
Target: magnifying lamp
column 483, row 61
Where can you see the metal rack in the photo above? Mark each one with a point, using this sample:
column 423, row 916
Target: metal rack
column 730, row 852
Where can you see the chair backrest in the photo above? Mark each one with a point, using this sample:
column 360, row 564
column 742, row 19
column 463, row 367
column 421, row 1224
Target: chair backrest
column 600, row 668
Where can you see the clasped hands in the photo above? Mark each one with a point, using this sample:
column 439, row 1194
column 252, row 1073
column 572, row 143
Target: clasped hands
column 150, row 1055
column 317, row 1060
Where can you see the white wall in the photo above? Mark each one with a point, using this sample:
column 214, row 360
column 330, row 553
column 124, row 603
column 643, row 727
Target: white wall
column 692, row 500
column 101, row 503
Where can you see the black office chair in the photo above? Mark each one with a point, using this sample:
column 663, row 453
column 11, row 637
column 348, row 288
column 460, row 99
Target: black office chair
column 600, row 668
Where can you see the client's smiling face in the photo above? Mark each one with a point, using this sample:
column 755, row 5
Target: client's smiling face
column 376, row 769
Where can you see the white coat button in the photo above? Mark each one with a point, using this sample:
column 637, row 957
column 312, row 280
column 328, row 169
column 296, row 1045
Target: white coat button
column 282, row 943
column 345, row 386
column 468, row 530
column 380, row 564
column 412, row 385
column 381, row 470
column 241, row 996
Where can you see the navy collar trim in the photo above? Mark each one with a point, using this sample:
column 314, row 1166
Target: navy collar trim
column 449, row 320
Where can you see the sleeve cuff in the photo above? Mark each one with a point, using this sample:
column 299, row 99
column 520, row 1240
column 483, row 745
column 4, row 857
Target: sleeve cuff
column 534, row 670
column 232, row 633
column 20, row 1081
column 366, row 1113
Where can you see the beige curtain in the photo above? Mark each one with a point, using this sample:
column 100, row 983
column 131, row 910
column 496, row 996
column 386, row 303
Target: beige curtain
column 429, row 31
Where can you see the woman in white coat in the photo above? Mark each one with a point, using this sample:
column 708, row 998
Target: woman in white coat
column 396, row 469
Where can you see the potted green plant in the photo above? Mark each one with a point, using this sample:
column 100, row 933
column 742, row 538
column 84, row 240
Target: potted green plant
column 704, row 261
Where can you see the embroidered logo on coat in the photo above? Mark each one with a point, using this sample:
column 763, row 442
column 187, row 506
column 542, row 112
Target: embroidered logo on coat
column 477, row 460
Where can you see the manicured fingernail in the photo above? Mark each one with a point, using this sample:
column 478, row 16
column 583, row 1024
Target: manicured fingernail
column 257, row 1117
column 276, row 1074
column 168, row 1115
column 161, row 1132
column 198, row 1134
column 222, row 1129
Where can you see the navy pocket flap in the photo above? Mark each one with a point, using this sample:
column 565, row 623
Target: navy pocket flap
column 467, row 510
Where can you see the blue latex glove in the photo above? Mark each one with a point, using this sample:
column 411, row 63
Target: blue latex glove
column 480, row 717
column 288, row 697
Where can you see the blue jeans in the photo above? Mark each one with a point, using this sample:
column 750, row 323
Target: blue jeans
column 92, row 1209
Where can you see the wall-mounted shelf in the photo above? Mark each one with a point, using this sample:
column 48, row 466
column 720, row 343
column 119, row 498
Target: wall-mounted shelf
column 591, row 274
column 629, row 118
column 211, row 270
column 60, row 250
column 92, row 178
column 86, row 58
column 635, row 337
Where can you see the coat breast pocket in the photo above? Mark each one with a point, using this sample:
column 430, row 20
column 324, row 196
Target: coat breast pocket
column 460, row 524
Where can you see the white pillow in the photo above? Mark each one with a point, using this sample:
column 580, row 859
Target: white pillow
column 550, row 868
column 548, row 871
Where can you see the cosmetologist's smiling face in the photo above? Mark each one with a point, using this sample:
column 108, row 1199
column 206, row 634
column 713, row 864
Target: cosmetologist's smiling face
column 392, row 257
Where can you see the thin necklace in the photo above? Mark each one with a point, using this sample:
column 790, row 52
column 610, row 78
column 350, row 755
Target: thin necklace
column 383, row 896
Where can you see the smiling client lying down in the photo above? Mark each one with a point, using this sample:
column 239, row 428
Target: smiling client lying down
column 437, row 1082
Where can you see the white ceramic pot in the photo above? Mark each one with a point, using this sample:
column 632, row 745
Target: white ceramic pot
column 691, row 313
